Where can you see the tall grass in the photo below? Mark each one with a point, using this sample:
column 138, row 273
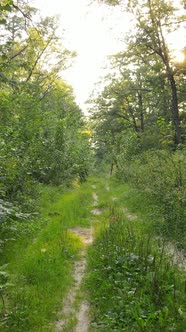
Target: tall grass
column 39, row 269
column 132, row 284
column 159, row 176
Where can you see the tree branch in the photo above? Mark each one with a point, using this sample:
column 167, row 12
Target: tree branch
column 37, row 60
column 15, row 55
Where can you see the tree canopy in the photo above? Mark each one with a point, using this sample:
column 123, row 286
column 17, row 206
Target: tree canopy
column 41, row 126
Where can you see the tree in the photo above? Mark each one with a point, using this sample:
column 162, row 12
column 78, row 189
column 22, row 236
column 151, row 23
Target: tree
column 155, row 20
column 40, row 123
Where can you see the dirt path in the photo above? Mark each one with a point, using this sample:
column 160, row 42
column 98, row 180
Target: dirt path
column 73, row 319
column 69, row 312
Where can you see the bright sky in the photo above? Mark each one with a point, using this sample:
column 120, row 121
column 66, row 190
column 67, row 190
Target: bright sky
column 93, row 31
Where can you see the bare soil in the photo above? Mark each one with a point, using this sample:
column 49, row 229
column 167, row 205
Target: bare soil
column 177, row 256
column 68, row 312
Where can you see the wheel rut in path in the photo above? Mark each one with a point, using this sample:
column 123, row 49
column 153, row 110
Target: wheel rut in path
column 69, row 311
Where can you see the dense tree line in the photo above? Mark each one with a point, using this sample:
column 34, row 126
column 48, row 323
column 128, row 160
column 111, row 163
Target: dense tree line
column 42, row 130
column 139, row 118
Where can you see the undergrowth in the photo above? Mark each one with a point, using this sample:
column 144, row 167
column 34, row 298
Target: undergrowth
column 158, row 179
column 132, row 284
column 37, row 265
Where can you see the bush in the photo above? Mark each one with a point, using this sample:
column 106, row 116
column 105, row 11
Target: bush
column 162, row 176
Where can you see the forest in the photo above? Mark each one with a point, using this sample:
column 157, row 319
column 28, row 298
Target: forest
column 120, row 172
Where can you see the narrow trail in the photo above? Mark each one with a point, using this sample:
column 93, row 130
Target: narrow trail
column 75, row 318
column 69, row 311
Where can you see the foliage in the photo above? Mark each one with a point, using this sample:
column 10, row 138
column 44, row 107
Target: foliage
column 161, row 176
column 132, row 285
column 139, row 117
column 42, row 141
column 145, row 93
column 41, row 126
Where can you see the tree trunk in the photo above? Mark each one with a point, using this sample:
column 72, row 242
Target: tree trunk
column 175, row 110
column 140, row 105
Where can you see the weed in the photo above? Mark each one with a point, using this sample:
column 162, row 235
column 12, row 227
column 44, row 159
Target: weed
column 131, row 282
column 42, row 273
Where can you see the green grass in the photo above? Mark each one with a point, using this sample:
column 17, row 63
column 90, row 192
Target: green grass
column 132, row 284
column 39, row 270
